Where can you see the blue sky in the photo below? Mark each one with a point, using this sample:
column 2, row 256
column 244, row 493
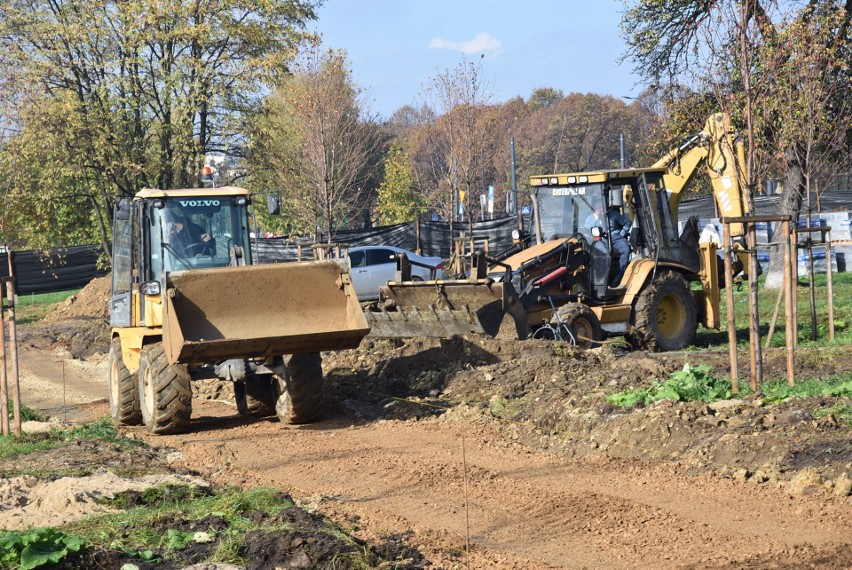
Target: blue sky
column 396, row 46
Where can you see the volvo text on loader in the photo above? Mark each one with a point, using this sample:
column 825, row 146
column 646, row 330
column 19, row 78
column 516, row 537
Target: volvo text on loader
column 562, row 286
column 188, row 304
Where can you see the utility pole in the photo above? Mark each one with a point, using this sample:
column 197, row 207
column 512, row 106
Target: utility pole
column 621, row 145
column 515, row 187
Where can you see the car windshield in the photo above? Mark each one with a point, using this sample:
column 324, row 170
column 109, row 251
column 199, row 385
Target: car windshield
column 567, row 210
column 197, row 232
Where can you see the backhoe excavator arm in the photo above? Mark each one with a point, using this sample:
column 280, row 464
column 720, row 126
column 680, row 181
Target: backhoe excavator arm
column 719, row 151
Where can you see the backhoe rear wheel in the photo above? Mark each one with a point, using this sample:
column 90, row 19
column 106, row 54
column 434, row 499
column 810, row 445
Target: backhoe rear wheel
column 123, row 389
column 581, row 322
column 255, row 396
column 664, row 317
column 164, row 391
column 300, row 390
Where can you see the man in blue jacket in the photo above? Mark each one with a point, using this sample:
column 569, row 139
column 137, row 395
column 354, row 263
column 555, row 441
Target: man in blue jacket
column 619, row 231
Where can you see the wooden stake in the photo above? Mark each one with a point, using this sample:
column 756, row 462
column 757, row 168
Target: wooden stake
column 729, row 303
column 781, row 295
column 794, row 262
column 13, row 360
column 789, row 330
column 4, row 384
column 754, row 315
column 828, row 284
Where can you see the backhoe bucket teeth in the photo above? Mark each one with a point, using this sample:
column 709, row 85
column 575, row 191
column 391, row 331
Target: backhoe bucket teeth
column 260, row 311
column 447, row 308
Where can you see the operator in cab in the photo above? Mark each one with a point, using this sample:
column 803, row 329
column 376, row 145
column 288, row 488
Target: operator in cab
column 185, row 235
column 619, row 231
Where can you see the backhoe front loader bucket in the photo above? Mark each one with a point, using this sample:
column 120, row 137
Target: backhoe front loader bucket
column 447, row 308
column 260, row 310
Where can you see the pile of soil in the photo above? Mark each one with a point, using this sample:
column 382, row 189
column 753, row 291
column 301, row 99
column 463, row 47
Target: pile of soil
column 80, row 324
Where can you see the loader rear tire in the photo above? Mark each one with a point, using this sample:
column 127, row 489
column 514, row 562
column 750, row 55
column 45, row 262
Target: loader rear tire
column 123, row 389
column 664, row 317
column 300, row 391
column 165, row 393
column 255, row 396
column 581, row 322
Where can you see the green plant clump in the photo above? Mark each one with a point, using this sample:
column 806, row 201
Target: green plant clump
column 102, row 429
column 693, row 383
column 35, row 548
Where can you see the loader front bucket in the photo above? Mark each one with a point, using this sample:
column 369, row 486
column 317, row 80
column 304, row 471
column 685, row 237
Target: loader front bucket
column 259, row 311
column 447, row 308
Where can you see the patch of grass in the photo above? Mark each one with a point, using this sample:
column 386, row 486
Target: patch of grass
column 34, row 307
column 778, row 390
column 103, row 429
column 842, row 295
column 27, row 413
column 139, row 529
column 841, row 410
column 693, row 383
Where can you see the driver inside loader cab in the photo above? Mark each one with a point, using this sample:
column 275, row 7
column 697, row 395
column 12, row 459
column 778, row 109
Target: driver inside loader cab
column 619, row 231
column 187, row 237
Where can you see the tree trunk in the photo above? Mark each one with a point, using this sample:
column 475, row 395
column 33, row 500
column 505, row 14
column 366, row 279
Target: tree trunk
column 791, row 204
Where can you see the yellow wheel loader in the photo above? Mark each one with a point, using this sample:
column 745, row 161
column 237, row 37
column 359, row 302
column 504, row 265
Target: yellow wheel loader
column 567, row 285
column 188, row 304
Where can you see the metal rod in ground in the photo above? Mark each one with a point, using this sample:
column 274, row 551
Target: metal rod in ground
column 4, row 384
column 754, row 315
column 466, row 504
column 729, row 303
column 789, row 332
column 13, row 356
column 829, row 288
column 781, row 292
column 811, row 292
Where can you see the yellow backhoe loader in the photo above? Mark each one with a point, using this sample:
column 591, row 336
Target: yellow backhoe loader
column 188, row 304
column 567, row 285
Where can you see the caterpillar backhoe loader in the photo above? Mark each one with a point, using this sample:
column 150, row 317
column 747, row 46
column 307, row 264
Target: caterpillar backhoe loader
column 562, row 287
column 188, row 304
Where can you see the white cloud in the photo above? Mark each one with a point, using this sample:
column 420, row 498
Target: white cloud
column 481, row 43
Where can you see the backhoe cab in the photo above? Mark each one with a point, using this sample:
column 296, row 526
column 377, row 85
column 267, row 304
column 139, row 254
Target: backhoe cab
column 188, row 304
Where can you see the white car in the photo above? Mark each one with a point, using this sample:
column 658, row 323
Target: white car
column 372, row 266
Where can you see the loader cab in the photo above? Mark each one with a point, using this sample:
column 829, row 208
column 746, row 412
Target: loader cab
column 158, row 232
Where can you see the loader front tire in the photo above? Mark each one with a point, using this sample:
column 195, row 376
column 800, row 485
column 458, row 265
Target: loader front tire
column 123, row 389
column 581, row 322
column 300, row 390
column 164, row 392
column 256, row 396
column 664, row 316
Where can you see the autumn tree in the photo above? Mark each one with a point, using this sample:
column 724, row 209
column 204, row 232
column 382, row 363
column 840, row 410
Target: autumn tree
column 398, row 200
column 730, row 48
column 149, row 87
column 317, row 145
column 462, row 133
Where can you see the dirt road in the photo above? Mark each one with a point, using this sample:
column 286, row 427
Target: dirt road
column 525, row 508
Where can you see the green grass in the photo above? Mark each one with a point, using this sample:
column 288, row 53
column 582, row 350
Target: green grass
column 139, row 530
column 842, row 295
column 103, row 429
column 693, row 383
column 696, row 383
column 34, row 307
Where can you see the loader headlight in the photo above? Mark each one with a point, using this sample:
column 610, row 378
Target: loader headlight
column 597, row 232
column 151, row 288
column 516, row 235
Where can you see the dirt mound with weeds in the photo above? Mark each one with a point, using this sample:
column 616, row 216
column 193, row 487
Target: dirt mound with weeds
column 80, row 324
column 553, row 397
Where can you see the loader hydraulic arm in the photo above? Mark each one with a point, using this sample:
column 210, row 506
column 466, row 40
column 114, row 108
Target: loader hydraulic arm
column 719, row 151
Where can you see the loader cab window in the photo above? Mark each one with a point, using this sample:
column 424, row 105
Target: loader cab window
column 564, row 211
column 198, row 232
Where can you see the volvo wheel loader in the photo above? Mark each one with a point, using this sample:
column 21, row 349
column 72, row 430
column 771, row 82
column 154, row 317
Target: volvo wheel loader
column 188, row 304
column 562, row 287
